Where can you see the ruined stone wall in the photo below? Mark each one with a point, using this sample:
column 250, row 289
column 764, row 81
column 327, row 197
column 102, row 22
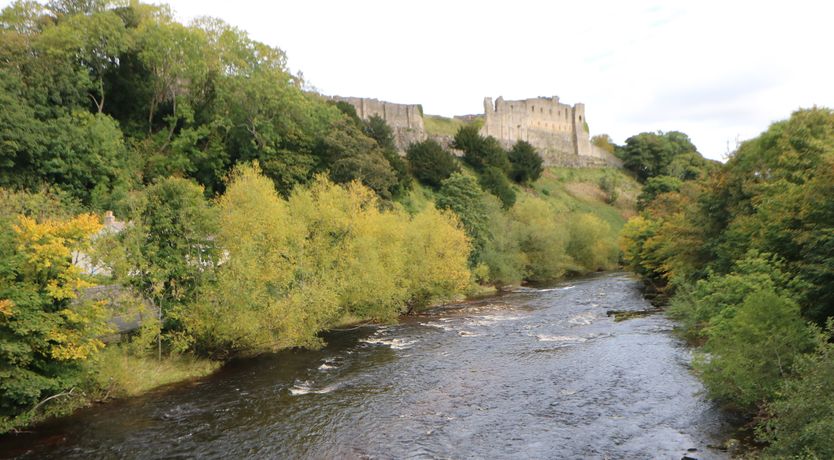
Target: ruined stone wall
column 405, row 120
column 557, row 130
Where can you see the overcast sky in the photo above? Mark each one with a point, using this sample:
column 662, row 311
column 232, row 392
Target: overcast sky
column 718, row 71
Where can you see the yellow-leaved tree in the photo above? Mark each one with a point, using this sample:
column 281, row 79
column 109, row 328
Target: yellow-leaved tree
column 327, row 255
column 46, row 331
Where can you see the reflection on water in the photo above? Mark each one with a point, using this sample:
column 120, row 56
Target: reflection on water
column 539, row 373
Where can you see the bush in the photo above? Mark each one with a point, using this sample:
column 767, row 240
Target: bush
column 608, row 183
column 752, row 347
column 695, row 306
column 591, row 245
column 430, row 162
column 541, row 239
column 801, row 420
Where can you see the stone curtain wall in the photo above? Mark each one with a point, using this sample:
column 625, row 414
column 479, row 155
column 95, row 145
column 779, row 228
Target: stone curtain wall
column 405, row 120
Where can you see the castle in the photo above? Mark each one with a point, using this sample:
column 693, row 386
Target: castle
column 558, row 131
column 405, row 120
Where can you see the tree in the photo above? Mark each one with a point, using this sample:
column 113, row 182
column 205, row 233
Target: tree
column 354, row 156
column 753, row 347
column 430, row 163
column 170, row 248
column 590, row 245
column 655, row 186
column 650, row 154
column 85, row 157
column 526, row 163
column 173, row 55
column 92, row 43
column 436, row 267
column 495, row 181
column 378, row 130
column 481, row 152
column 46, row 332
column 801, row 419
column 463, row 195
column 542, row 239
column 604, row 142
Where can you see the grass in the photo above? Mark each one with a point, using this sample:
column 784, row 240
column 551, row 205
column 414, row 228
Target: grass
column 121, row 373
column 578, row 190
column 115, row 373
column 437, row 125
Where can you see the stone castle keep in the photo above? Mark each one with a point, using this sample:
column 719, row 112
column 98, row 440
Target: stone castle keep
column 558, row 131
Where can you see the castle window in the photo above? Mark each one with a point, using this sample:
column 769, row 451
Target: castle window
column 551, row 111
column 533, row 109
column 541, row 110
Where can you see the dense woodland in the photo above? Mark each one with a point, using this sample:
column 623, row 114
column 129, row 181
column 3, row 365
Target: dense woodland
column 746, row 252
column 257, row 214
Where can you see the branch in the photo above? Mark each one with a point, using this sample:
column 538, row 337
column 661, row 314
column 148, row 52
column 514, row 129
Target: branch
column 66, row 393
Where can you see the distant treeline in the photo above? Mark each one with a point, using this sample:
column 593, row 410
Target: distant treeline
column 746, row 251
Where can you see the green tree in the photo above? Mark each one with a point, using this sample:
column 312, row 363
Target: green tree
column 800, row 421
column 170, row 249
column 655, row 186
column 526, row 163
column 650, row 154
column 753, row 347
column 481, row 152
column 495, row 181
column 464, row 196
column 430, row 163
column 354, row 156
column 377, row 129
column 542, row 239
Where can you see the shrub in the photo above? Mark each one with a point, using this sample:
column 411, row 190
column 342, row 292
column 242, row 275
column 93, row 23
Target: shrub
column 591, row 244
column 801, row 420
column 541, row 239
column 752, row 347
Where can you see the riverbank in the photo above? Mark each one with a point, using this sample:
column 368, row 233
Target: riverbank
column 538, row 372
column 120, row 372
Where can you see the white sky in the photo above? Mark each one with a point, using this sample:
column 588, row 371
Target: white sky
column 716, row 70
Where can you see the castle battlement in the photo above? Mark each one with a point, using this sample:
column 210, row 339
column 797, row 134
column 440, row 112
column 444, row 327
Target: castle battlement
column 558, row 131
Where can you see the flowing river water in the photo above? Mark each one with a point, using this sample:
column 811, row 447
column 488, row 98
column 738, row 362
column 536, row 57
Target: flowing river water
column 536, row 373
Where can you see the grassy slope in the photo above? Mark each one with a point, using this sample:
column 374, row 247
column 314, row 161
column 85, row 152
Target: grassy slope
column 573, row 189
column 437, row 125
column 578, row 190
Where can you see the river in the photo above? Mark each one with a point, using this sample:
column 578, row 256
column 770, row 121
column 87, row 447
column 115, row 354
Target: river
column 535, row 373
